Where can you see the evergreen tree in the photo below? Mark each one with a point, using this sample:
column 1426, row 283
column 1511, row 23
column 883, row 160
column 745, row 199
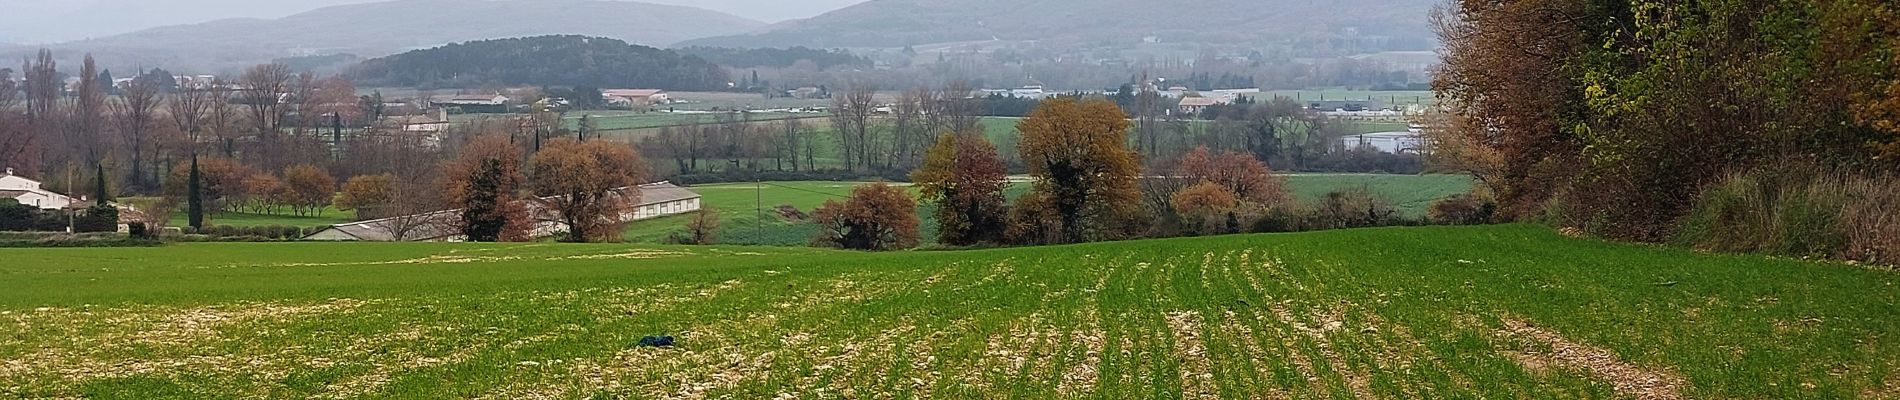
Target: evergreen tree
column 99, row 186
column 105, row 82
column 194, row 197
column 484, row 218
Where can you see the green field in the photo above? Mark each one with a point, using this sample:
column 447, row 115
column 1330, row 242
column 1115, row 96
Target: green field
column 1390, row 97
column 1438, row 312
column 738, row 204
column 625, row 120
column 1410, row 194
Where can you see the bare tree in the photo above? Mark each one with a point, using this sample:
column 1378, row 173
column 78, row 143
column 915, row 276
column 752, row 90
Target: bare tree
column 188, row 107
column 1148, row 106
column 416, row 204
column 263, row 88
column 135, row 111
column 263, row 91
column 223, row 116
column 851, row 117
column 910, row 130
column 86, row 109
column 18, row 147
column 789, row 140
column 956, row 108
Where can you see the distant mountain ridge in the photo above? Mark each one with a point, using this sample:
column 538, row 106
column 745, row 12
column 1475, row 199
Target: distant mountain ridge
column 377, row 29
column 894, row 23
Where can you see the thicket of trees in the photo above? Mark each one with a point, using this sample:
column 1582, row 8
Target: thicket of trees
column 274, row 141
column 567, row 61
column 965, row 178
column 1620, row 118
column 774, row 57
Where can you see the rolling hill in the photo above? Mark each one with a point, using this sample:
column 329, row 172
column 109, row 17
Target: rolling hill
column 893, row 23
column 377, row 29
column 560, row 60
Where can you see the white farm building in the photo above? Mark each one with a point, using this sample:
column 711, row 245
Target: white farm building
column 1388, row 142
column 656, row 200
column 28, row 192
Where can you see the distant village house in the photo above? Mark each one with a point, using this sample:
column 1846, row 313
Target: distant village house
column 638, row 99
column 477, row 103
column 28, row 192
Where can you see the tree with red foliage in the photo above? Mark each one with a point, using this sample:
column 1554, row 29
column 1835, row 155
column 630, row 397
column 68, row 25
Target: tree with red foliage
column 876, row 217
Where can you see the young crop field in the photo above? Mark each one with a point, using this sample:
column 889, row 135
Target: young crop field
column 1439, row 312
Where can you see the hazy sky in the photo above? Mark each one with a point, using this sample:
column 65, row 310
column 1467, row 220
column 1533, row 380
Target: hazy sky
column 50, row 21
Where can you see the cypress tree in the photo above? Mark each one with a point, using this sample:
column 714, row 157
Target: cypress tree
column 194, row 198
column 99, row 186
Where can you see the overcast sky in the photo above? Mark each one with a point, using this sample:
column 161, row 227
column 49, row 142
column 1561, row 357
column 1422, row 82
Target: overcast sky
column 51, row 21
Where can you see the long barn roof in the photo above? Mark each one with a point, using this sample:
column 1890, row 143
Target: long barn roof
column 440, row 224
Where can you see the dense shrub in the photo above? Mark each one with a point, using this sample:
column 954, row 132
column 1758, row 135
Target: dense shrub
column 876, row 217
column 1463, row 209
column 1353, row 208
column 138, row 230
column 1799, row 212
column 98, row 218
column 1280, row 220
column 47, row 239
column 16, row 217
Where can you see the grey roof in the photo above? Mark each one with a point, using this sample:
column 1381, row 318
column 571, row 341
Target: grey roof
column 441, row 224
column 13, row 193
column 664, row 192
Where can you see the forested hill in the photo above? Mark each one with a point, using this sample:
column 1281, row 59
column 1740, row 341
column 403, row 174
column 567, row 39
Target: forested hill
column 893, row 23
column 749, row 58
column 543, row 61
column 389, row 27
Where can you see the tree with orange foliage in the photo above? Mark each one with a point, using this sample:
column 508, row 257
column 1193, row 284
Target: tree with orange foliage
column 1239, row 173
column 1078, row 152
column 308, row 189
column 588, row 187
column 1207, row 207
column 368, row 195
column 964, row 177
column 876, row 217
column 221, row 183
column 263, row 192
column 484, row 182
column 1879, row 107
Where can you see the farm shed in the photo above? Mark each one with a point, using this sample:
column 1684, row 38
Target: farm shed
column 656, row 200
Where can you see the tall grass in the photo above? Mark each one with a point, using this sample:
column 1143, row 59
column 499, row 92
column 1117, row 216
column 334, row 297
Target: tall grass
column 1799, row 212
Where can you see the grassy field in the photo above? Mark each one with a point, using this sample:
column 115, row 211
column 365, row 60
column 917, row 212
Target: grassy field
column 1389, row 97
column 626, row 120
column 1440, row 312
column 738, row 204
column 1411, row 194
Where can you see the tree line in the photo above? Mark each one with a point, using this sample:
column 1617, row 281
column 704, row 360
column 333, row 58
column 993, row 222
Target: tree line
column 1742, row 126
column 1091, row 182
column 273, row 141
